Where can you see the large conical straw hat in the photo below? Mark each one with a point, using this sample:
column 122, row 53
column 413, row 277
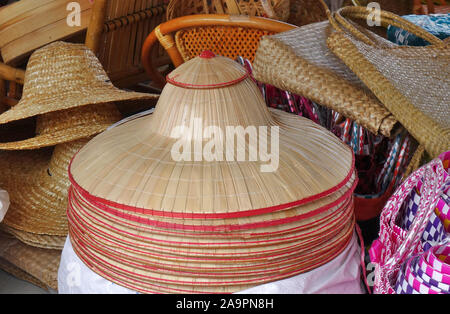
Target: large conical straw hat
column 63, row 75
column 131, row 165
column 144, row 219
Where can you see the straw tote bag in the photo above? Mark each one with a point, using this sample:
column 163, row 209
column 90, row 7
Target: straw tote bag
column 412, row 82
column 395, row 244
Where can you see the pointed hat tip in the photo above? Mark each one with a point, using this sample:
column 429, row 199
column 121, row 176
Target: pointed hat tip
column 207, row 54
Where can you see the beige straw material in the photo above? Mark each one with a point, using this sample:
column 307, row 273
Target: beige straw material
column 192, row 243
column 68, row 125
column 62, row 76
column 161, row 281
column 38, row 263
column 36, row 240
column 20, row 274
column 132, row 163
column 147, row 221
column 412, row 82
column 39, row 205
column 299, row 61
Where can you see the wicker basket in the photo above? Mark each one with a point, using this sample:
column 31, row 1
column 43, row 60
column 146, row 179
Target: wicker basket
column 275, row 9
column 407, row 80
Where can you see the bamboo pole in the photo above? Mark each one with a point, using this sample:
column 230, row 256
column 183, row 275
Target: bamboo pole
column 95, row 28
column 12, row 74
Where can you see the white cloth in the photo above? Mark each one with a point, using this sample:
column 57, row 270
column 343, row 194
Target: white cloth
column 4, row 204
column 341, row 275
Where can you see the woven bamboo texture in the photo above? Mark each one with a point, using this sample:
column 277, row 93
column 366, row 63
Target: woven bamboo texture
column 126, row 25
column 412, row 82
column 39, row 266
column 275, row 9
column 299, row 61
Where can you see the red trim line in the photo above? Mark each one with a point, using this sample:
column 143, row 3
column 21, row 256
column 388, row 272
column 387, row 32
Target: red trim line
column 237, row 214
column 172, row 81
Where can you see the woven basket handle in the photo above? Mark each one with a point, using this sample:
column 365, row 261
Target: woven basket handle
column 339, row 21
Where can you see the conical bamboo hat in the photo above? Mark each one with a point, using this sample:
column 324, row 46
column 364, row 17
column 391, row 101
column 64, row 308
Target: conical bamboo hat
column 132, row 166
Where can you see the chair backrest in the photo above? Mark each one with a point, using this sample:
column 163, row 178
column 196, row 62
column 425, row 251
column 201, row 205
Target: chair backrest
column 185, row 37
column 118, row 23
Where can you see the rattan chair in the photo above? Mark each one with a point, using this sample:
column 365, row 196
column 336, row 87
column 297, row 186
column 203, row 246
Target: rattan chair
column 186, row 37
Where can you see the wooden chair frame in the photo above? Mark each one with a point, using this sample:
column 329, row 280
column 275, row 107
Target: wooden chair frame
column 163, row 34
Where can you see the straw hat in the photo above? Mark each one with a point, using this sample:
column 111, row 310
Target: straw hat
column 63, row 75
column 67, row 125
column 132, row 165
column 146, row 220
column 37, row 214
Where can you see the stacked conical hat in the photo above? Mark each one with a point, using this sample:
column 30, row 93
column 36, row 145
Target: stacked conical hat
column 142, row 217
column 73, row 99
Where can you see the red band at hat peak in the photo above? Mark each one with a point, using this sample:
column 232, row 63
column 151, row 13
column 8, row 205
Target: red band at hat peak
column 207, row 54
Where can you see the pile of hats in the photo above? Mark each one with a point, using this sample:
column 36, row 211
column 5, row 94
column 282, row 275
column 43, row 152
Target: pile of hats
column 157, row 207
column 70, row 95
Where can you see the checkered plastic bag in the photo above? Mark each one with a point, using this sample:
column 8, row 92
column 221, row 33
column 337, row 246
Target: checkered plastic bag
column 435, row 231
column 401, row 238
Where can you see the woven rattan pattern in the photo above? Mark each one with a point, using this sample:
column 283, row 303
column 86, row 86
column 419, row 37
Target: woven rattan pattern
column 222, row 40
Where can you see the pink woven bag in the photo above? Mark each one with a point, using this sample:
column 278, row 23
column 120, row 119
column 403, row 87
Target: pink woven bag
column 395, row 244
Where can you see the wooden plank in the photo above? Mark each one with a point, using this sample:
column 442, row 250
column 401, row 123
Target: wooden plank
column 38, row 18
column 38, row 38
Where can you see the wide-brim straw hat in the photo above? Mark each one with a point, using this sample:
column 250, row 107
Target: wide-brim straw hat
column 150, row 222
column 300, row 61
column 38, row 266
column 66, row 126
column 64, row 75
column 38, row 194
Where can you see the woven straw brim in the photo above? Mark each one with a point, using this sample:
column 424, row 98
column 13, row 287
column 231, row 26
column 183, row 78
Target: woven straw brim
column 299, row 61
column 55, row 138
column 150, row 178
column 39, row 197
column 40, row 264
column 32, row 106
column 36, row 240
